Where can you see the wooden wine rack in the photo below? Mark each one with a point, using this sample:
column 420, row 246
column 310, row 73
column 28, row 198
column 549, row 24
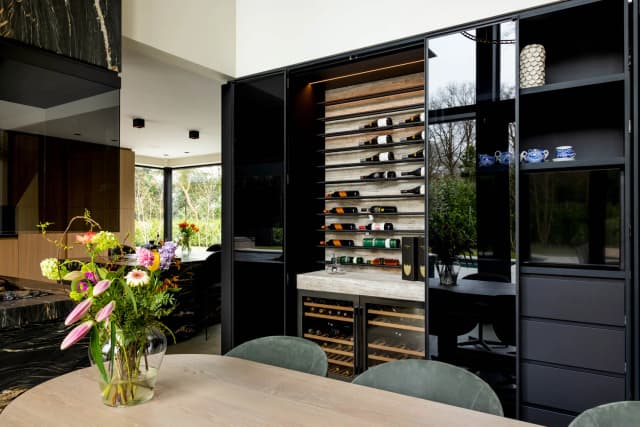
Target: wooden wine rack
column 345, row 111
column 328, row 339
column 395, row 325
column 328, row 316
column 397, row 314
column 397, row 350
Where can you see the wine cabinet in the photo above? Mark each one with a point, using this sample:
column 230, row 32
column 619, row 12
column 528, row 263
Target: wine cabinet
column 373, row 157
column 358, row 332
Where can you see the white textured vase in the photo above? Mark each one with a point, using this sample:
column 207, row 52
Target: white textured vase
column 532, row 65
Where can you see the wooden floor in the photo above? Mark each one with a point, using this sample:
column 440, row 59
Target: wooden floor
column 204, row 343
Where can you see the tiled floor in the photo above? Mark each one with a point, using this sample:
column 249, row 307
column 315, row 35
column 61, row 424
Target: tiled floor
column 200, row 344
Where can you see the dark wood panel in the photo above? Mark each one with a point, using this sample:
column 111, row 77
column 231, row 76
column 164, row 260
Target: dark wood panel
column 572, row 298
column 544, row 417
column 580, row 346
column 568, row 389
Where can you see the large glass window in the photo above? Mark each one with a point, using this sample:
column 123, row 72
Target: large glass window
column 149, row 204
column 195, row 196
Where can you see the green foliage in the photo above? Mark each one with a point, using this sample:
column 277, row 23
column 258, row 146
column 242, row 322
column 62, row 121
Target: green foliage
column 452, row 217
column 196, row 196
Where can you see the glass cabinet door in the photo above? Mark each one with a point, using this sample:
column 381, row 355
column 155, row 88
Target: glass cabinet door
column 330, row 324
column 394, row 332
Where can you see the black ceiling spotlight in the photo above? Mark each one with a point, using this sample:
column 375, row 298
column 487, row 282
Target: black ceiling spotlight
column 194, row 134
column 138, row 123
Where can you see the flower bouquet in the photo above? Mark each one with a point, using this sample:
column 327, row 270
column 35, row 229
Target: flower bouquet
column 187, row 231
column 120, row 308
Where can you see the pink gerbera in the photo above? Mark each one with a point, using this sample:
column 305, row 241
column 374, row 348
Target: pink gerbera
column 137, row 277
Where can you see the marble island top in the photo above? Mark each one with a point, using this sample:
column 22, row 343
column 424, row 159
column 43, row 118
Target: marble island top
column 19, row 312
column 382, row 285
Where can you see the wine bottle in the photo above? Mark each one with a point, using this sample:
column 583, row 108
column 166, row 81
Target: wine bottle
column 339, row 227
column 417, row 172
column 341, row 211
column 345, row 193
column 384, row 261
column 378, row 123
column 415, row 155
column 337, row 243
column 417, row 137
column 374, row 242
column 381, row 139
column 379, row 157
column 415, row 190
column 380, row 209
column 377, row 226
column 415, row 118
column 379, row 175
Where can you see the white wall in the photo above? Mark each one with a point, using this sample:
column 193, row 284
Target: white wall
column 275, row 33
column 200, row 31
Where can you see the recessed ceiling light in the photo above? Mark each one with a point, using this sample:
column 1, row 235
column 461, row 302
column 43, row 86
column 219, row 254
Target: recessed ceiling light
column 166, row 155
column 194, row 134
column 186, row 152
column 77, row 134
column 138, row 123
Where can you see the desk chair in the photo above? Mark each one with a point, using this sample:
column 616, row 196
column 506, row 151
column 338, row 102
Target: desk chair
column 437, row 381
column 485, row 313
column 616, row 414
column 294, row 353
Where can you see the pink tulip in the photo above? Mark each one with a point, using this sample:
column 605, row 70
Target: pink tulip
column 76, row 334
column 79, row 311
column 105, row 312
column 100, row 287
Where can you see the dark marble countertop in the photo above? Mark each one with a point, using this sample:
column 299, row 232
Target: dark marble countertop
column 20, row 312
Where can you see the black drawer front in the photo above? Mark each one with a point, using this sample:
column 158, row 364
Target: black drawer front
column 544, row 417
column 567, row 389
column 576, row 299
column 578, row 346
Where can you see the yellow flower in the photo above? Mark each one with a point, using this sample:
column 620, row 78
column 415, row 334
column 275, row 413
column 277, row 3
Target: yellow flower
column 156, row 262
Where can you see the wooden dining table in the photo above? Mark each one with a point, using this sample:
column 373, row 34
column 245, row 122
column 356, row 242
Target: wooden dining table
column 208, row 390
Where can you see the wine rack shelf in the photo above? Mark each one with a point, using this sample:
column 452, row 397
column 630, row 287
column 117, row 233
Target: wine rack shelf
column 373, row 231
column 372, row 181
column 572, row 84
column 380, row 196
column 372, row 213
column 371, row 147
column 372, row 113
column 373, row 95
column 397, row 350
column 381, row 358
column 325, row 263
column 573, row 165
column 329, row 317
column 370, row 130
column 365, row 164
column 340, row 362
column 396, row 325
column 358, row 247
column 337, row 351
column 328, row 306
column 397, row 314
column 328, row 339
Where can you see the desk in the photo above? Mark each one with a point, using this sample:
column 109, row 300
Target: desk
column 205, row 390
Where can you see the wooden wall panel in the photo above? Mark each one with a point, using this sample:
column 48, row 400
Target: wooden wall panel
column 9, row 257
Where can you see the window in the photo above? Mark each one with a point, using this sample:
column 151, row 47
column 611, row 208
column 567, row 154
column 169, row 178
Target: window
column 149, row 202
column 195, row 196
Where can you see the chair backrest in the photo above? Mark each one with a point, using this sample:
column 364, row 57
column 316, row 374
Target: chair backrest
column 286, row 352
column 435, row 381
column 616, row 414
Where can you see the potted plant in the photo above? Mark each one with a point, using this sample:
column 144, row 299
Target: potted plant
column 452, row 223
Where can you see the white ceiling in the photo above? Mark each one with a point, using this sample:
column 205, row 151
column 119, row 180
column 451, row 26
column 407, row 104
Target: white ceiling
column 173, row 96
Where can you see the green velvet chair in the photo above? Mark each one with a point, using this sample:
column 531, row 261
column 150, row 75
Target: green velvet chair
column 286, row 352
column 435, row 381
column 616, row 414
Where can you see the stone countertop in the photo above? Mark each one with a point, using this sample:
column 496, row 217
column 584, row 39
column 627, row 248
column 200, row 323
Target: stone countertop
column 382, row 285
column 390, row 285
column 45, row 308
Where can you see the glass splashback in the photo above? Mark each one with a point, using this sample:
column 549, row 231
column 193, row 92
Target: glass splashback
column 573, row 218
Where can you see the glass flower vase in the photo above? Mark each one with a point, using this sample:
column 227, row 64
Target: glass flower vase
column 185, row 247
column 131, row 368
column 448, row 272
